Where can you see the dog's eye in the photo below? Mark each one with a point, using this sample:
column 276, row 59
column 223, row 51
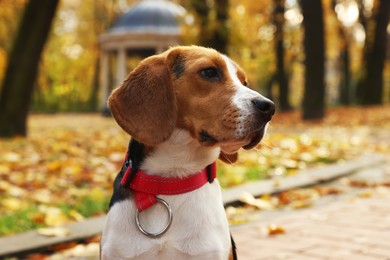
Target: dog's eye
column 210, row 74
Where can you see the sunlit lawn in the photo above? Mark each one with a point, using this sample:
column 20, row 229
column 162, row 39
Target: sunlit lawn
column 64, row 170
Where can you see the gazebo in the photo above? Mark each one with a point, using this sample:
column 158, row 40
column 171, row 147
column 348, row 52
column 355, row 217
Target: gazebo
column 148, row 27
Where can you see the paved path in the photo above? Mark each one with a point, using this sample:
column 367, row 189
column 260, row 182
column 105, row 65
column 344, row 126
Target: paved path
column 352, row 226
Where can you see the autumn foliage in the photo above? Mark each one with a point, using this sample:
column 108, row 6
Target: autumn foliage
column 64, row 170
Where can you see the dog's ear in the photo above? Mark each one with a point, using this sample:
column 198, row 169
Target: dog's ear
column 145, row 104
column 228, row 158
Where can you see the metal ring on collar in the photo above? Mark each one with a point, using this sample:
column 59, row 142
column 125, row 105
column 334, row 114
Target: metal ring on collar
column 157, row 234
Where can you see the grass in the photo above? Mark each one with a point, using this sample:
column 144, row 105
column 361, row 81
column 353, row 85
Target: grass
column 19, row 221
column 33, row 217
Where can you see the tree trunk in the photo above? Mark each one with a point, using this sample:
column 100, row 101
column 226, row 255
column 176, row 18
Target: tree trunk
column 344, row 60
column 370, row 86
column 345, row 79
column 281, row 77
column 22, row 67
column 202, row 11
column 314, row 46
column 213, row 20
column 93, row 95
column 362, row 16
column 221, row 30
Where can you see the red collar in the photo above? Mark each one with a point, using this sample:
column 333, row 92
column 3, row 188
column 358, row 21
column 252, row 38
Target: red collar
column 146, row 187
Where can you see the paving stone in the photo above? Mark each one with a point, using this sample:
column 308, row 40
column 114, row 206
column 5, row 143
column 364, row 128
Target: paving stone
column 347, row 229
column 383, row 252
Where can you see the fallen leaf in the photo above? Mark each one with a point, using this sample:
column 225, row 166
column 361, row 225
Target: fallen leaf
column 63, row 246
column 248, row 199
column 42, row 196
column 358, row 183
column 53, row 232
column 324, row 191
column 275, row 230
column 366, row 194
column 300, row 204
column 240, row 215
column 36, row 256
column 53, row 216
column 11, row 157
column 13, row 204
column 77, row 216
column 82, row 251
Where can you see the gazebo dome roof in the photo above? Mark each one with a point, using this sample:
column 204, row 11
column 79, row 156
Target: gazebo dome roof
column 150, row 16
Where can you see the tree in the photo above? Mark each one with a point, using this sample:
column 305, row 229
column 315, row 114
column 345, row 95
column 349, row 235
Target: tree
column 213, row 19
column 314, row 47
column 202, row 13
column 221, row 29
column 22, row 67
column 344, row 61
column 370, row 86
column 281, row 77
column 102, row 19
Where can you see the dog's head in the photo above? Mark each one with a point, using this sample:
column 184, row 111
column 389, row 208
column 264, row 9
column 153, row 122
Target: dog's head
column 192, row 88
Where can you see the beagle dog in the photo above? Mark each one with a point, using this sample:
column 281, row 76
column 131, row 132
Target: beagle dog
column 184, row 109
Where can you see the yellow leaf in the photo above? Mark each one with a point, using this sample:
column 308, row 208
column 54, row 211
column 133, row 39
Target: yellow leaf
column 300, row 204
column 97, row 194
column 77, row 216
column 12, row 189
column 53, row 232
column 81, row 251
column 275, row 230
column 366, row 194
column 11, row 157
column 42, row 196
column 116, row 157
column 13, row 203
column 4, row 169
column 248, row 198
column 54, row 166
column 53, row 216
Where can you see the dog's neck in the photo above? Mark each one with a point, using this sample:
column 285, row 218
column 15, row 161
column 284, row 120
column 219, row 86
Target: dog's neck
column 180, row 156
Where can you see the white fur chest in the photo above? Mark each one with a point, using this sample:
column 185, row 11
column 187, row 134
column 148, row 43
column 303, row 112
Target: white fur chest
column 199, row 228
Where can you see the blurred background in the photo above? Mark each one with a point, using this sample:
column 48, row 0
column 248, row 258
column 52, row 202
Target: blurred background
column 92, row 43
column 326, row 65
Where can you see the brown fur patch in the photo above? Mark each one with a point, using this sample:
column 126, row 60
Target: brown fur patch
column 228, row 158
column 205, row 105
column 145, row 105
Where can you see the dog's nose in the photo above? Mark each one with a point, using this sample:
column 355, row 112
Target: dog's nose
column 265, row 107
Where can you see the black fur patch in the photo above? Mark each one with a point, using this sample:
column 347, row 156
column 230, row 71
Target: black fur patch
column 206, row 137
column 178, row 67
column 119, row 193
column 234, row 248
column 135, row 156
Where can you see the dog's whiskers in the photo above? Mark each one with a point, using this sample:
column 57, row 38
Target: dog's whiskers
column 266, row 145
column 227, row 159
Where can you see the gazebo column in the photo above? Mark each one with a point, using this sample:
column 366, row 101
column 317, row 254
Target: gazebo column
column 121, row 66
column 104, row 71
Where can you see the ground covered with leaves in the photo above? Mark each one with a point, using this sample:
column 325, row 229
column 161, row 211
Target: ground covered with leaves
column 65, row 168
